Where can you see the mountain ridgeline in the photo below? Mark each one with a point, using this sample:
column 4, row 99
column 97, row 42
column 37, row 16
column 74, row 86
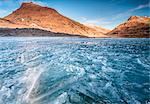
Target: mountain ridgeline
column 35, row 20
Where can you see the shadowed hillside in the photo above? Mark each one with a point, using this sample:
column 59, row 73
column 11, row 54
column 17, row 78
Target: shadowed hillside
column 27, row 32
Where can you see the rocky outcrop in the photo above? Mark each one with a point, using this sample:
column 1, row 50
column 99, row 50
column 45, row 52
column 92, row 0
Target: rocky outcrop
column 134, row 27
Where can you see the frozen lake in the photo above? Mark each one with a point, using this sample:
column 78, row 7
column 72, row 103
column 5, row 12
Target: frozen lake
column 74, row 71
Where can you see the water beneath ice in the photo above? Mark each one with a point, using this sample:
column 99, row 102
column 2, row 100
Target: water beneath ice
column 74, row 71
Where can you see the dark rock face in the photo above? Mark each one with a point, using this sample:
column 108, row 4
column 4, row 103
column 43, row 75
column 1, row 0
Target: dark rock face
column 27, row 32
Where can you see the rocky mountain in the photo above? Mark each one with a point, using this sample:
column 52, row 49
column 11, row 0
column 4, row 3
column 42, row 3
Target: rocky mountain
column 31, row 15
column 134, row 27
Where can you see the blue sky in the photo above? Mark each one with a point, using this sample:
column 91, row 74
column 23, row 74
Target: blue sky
column 104, row 13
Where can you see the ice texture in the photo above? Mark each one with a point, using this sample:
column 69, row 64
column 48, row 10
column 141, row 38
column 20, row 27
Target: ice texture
column 74, row 71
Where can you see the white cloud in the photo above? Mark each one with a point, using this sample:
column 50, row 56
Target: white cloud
column 3, row 12
column 83, row 18
column 130, row 11
column 92, row 21
column 96, row 22
column 139, row 7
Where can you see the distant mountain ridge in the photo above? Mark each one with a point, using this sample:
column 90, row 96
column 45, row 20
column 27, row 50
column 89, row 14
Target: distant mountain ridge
column 135, row 26
column 31, row 15
column 97, row 28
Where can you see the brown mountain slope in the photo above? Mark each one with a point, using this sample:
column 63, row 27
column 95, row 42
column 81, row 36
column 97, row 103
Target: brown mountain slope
column 98, row 28
column 102, row 30
column 135, row 27
column 4, row 23
column 34, row 16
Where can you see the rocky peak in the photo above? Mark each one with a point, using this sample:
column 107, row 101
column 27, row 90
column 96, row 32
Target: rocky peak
column 135, row 26
column 34, row 7
column 138, row 19
column 29, row 11
column 133, row 18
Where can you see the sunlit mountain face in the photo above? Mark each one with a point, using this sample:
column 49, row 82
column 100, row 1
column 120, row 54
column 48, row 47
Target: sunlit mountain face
column 74, row 71
column 31, row 15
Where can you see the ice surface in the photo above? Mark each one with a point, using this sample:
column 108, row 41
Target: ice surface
column 74, row 71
